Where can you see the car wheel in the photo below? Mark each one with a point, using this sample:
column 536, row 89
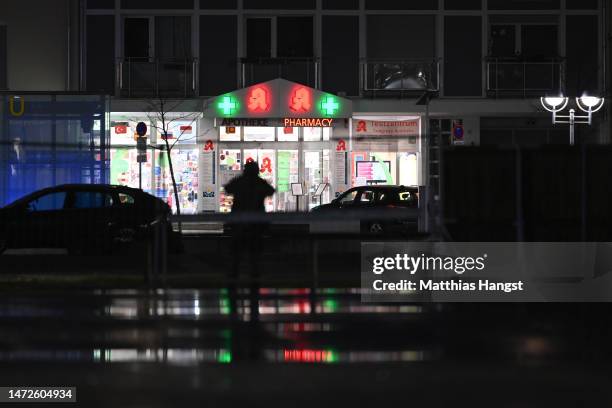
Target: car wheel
column 376, row 228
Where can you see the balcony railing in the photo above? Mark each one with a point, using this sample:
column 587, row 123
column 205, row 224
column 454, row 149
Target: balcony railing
column 153, row 77
column 390, row 76
column 524, row 78
column 302, row 70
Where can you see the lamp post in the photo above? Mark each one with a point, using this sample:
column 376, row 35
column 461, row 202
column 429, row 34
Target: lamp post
column 587, row 104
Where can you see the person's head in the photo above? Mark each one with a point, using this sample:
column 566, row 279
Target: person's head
column 251, row 169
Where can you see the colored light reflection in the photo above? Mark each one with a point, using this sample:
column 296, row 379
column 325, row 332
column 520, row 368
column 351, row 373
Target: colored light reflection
column 310, row 356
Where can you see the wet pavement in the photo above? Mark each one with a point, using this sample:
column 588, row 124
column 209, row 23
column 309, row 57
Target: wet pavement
column 296, row 347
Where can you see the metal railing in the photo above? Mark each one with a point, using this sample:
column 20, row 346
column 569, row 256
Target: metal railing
column 302, row 70
column 146, row 77
column 400, row 75
column 511, row 77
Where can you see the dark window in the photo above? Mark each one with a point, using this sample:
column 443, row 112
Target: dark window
column 463, row 65
column 280, row 4
column 100, row 59
column 100, row 4
column 462, row 4
column 582, row 66
column 341, row 54
column 48, row 202
column 259, row 38
column 407, row 37
column 581, row 4
column 156, row 4
column 401, row 5
column 340, row 4
column 136, row 38
column 524, row 4
column 3, row 58
column 294, row 37
column 502, row 41
column 218, row 72
column 218, row 4
column 173, row 37
column 539, row 41
column 91, row 199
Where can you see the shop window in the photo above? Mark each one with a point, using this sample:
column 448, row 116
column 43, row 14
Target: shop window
column 312, row 134
column 287, row 134
column 258, row 134
column 123, row 132
column 181, row 132
column 229, row 134
column 126, row 171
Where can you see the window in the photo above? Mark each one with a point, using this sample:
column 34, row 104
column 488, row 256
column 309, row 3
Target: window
column 91, row 199
column 126, row 198
column 348, row 197
column 48, row 202
column 229, row 134
column 367, row 197
column 521, row 39
column 166, row 37
column 293, row 37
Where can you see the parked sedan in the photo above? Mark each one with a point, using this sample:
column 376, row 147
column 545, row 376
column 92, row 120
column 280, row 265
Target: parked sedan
column 381, row 209
column 79, row 217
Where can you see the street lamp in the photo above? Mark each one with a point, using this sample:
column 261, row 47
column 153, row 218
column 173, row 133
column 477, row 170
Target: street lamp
column 587, row 104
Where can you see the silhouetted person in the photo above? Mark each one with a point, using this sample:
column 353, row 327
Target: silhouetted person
column 249, row 191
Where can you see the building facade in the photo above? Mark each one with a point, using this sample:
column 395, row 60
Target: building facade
column 467, row 72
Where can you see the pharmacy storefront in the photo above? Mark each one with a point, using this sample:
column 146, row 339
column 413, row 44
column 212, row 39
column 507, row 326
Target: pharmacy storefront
column 310, row 146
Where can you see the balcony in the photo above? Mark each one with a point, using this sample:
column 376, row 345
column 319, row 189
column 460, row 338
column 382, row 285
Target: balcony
column 508, row 77
column 399, row 77
column 302, row 70
column 154, row 77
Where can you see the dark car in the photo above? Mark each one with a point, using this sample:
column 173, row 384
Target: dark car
column 79, row 217
column 381, row 209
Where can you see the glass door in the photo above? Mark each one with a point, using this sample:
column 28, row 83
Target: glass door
column 287, row 172
column 316, row 171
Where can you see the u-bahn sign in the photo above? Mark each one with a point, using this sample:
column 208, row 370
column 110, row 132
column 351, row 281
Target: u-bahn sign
column 279, row 98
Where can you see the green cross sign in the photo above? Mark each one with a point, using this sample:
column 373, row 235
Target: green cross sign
column 329, row 105
column 227, row 106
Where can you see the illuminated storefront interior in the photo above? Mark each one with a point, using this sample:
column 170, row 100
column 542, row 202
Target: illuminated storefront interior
column 310, row 147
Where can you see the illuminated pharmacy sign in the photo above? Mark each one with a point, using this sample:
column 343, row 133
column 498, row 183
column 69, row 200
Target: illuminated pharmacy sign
column 278, row 99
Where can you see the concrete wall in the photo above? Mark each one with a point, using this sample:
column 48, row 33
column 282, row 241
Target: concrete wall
column 38, row 43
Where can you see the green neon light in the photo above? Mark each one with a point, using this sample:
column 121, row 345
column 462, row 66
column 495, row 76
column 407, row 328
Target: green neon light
column 228, row 105
column 329, row 105
column 224, row 356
